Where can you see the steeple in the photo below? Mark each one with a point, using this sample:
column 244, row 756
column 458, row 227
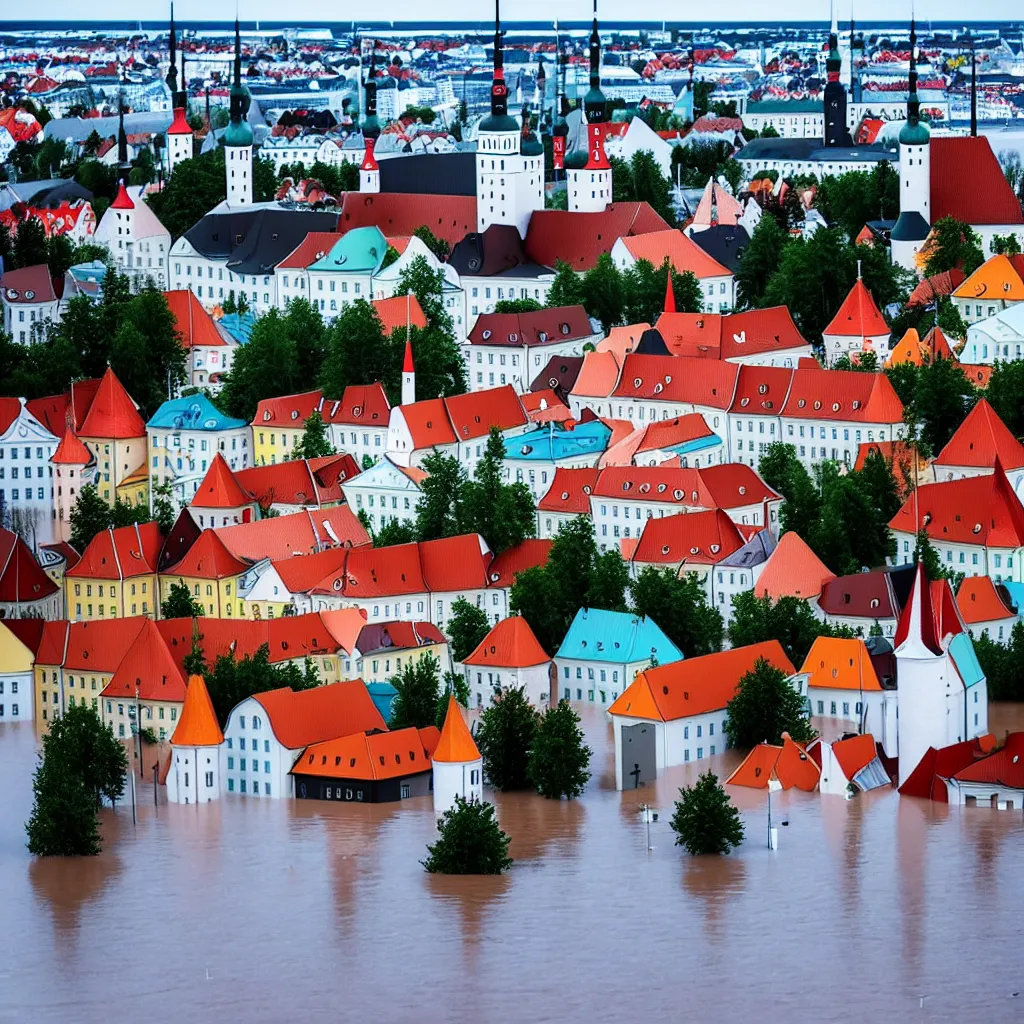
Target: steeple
column 594, row 102
column 369, row 170
column 123, row 164
column 974, row 88
column 836, row 131
column 913, row 103
column 172, row 70
column 560, row 128
column 498, row 120
column 237, row 138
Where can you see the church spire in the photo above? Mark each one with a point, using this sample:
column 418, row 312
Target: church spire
column 369, row 169
column 172, row 71
column 594, row 102
column 499, row 90
column 123, row 165
column 913, row 103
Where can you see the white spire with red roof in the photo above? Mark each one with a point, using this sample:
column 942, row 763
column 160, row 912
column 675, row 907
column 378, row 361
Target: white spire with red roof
column 457, row 765
column 179, row 140
column 369, row 170
column 69, row 468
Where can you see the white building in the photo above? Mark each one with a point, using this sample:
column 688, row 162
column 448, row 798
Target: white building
column 30, row 300
column 385, row 491
column 357, row 422
column 139, row 244
column 26, row 475
column 509, row 658
column 999, row 337
column 194, row 773
column 457, row 766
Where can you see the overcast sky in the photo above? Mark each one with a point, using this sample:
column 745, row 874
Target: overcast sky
column 737, row 10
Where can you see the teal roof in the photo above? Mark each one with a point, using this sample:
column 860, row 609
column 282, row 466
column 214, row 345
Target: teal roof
column 549, row 445
column 360, row 250
column 383, row 696
column 914, row 134
column 696, row 445
column 193, row 412
column 599, row 635
column 961, row 649
column 1016, row 592
column 237, row 133
column 498, row 123
column 238, row 325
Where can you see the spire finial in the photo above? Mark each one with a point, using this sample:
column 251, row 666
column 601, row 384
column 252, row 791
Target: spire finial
column 238, row 53
column 499, row 91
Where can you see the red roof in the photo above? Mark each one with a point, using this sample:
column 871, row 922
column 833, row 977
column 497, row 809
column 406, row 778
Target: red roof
column 730, row 485
column 761, row 390
column 580, row 238
column 219, row 488
column 323, row 713
column 71, row 451
column 842, row 395
column 122, row 201
column 694, row 537
column 380, row 755
column 509, row 644
column 197, row 725
column 31, row 285
column 120, row 554
column 1003, row 768
column 21, row 577
column 529, row 553
column 980, row 440
column 361, row 405
column 208, row 559
column 55, row 411
column 288, row 410
column 393, row 313
column 194, row 325
column 679, row 379
column 758, row 331
column 315, row 246
column 295, row 534
column 978, row 600
column 549, row 326
column 148, row 666
column 98, row 646
column 569, row 492
column 474, row 413
column 179, row 126
column 944, row 763
column 968, row 183
column 917, row 620
column 679, row 249
column 858, row 316
column 978, row 510
column 455, row 563
column 112, row 413
column 792, row 570
column 428, row 423
column 10, row 410
column 450, row 218
column 28, row 631
column 314, row 482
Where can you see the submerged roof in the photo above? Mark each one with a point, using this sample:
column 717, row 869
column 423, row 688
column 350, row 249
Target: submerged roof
column 456, row 745
column 197, row 725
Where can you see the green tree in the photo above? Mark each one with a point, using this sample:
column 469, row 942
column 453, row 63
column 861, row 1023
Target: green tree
column 30, row 243
column 466, row 628
column 415, row 704
column 1005, row 387
column 566, row 288
column 392, row 531
column 517, row 306
column 315, row 443
column 1003, row 665
column 644, row 288
column 357, row 352
column 471, row 842
column 262, row 367
column 759, row 261
column 194, row 189
column 63, row 822
column 705, row 821
column 1006, row 245
column 640, row 179
column 788, row 620
column 163, row 507
column 603, row 295
column 925, row 553
column 505, row 737
column 179, row 603
column 764, row 707
column 440, row 511
column 952, row 244
column 232, row 681
column 677, row 603
column 503, row 514
column 942, row 398
column 453, row 685
column 90, row 515
column 559, row 763
column 438, row 246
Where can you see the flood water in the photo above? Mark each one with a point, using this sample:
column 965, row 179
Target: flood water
column 274, row 911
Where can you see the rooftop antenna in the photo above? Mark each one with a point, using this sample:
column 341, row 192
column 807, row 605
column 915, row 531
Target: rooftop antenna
column 974, row 88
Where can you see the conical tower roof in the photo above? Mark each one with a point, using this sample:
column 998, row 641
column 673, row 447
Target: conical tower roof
column 456, row 745
column 198, row 726
column 112, row 413
column 71, row 451
column 219, row 488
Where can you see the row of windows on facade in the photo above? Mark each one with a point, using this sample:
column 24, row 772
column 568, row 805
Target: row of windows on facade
column 101, row 610
column 524, row 293
column 112, row 587
column 242, row 765
column 16, row 494
column 174, row 441
column 14, row 711
column 255, row 787
column 383, row 501
column 997, row 560
column 220, row 274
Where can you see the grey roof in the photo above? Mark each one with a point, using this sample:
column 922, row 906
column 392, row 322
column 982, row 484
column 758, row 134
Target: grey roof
column 811, row 150
column 436, row 174
column 754, row 552
column 48, row 193
column 723, row 242
column 78, row 129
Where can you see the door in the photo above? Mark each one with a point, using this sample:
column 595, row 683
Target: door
column 639, row 760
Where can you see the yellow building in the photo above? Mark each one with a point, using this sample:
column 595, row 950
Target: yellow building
column 19, row 639
column 134, row 488
column 114, row 433
column 211, row 574
column 386, row 649
column 75, row 662
column 278, row 425
column 116, row 576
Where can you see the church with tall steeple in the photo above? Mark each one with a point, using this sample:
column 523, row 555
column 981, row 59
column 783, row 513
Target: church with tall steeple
column 237, row 139
column 369, row 170
column 180, row 138
column 836, row 131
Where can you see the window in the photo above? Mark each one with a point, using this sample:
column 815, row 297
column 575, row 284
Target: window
column 821, row 707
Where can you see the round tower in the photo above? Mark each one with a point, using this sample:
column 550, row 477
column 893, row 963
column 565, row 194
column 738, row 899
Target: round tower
column 194, row 774
column 238, row 137
column 179, row 140
column 457, row 765
column 70, row 462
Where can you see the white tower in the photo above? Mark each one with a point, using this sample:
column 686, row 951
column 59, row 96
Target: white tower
column 69, row 469
column 912, row 227
column 179, row 141
column 194, row 775
column 408, row 376
column 369, row 170
column 589, row 183
column 921, row 680
column 457, row 765
column 238, row 138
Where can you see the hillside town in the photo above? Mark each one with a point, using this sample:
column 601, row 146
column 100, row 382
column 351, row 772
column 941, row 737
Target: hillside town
column 648, row 375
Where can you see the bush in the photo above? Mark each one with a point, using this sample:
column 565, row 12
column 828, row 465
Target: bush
column 705, row 820
column 505, row 738
column 471, row 842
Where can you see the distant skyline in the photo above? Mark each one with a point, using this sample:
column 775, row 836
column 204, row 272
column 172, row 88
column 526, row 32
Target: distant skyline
column 526, row 10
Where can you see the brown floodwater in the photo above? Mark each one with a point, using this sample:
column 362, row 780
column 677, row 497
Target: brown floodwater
column 268, row 911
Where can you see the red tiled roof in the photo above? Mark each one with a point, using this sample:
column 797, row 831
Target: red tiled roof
column 1003, row 768
column 194, row 325
column 36, row 279
column 842, row 395
column 792, row 570
column 382, row 755
column 663, row 434
column 325, row 712
column 120, row 554
column 525, row 555
column 360, row 405
column 71, row 451
column 62, row 549
column 21, row 577
column 148, row 665
column 691, row 538
column 428, row 423
column 112, row 413
column 569, row 492
column 733, row 485
column 474, row 413
column 56, row 411
column 208, row 559
column 598, row 375
column 978, row 600
column 510, row 644
column 393, row 312
column 918, row 616
column 313, row 247
column 580, row 238
column 450, row 218
column 679, row 249
column 455, row 563
column 968, row 183
column 978, row 510
column 858, row 316
column 980, row 440
column 549, row 326
column 295, row 534
column 197, row 725
column 10, row 410
column 288, row 410
column 758, row 331
column 99, row 646
column 855, row 753
column 924, row 781
column 680, row 379
column 28, row 631
column 220, row 488
column 761, row 390
column 314, row 482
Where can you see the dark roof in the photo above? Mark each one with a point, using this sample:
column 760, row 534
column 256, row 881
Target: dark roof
column 255, row 241
column 559, row 374
column 52, row 196
column 911, row 227
column 865, row 595
column 723, row 242
column 547, row 326
column 651, row 343
column 805, row 150
column 486, row 254
column 439, row 174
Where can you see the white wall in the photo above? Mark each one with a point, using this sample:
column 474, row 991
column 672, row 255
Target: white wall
column 268, row 752
column 194, row 776
column 16, row 696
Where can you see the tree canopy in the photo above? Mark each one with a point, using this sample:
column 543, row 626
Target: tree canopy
column 559, row 763
column 415, row 704
column 764, row 707
column 705, row 820
column 466, row 628
column 505, row 737
column 677, row 603
column 470, row 842
column 179, row 603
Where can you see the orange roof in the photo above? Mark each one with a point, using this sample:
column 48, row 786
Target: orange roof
column 598, row 375
column 381, row 755
column 194, row 325
column 792, row 570
column 836, row 663
column 112, row 413
column 795, row 769
column 71, row 451
column 999, row 277
column 197, row 726
column 622, row 340
column 979, row 601
column 475, row 412
column 302, row 717
column 679, row 249
column 147, row 667
column 219, row 488
column 911, row 349
column 695, row 686
column 757, row 768
column 509, row 644
column 858, row 316
column 297, row 534
column 854, row 754
column 980, row 440
column 456, row 745
column 120, row 554
column 208, row 559
column 428, row 423
column 392, row 312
